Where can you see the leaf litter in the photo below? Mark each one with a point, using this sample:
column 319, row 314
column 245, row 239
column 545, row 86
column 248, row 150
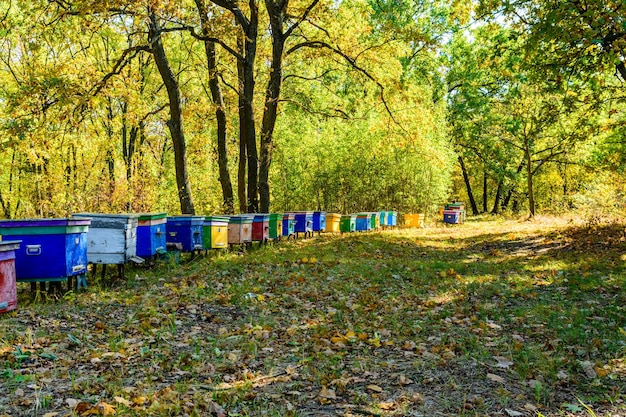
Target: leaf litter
column 436, row 321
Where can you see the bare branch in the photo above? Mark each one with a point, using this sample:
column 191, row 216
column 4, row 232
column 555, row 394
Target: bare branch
column 301, row 19
column 121, row 63
column 352, row 62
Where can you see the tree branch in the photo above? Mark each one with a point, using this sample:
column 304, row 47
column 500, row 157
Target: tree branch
column 352, row 62
column 302, row 18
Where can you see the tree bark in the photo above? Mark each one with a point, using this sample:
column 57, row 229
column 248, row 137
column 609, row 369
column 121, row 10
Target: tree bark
column 507, row 199
column 497, row 198
column 276, row 14
column 220, row 112
column 175, row 123
column 529, row 181
column 241, row 170
column 485, row 190
column 470, row 194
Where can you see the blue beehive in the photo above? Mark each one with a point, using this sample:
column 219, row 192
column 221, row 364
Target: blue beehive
column 51, row 249
column 452, row 216
column 319, row 221
column 363, row 222
column 289, row 222
column 151, row 234
column 186, row 230
column 304, row 222
column 392, row 218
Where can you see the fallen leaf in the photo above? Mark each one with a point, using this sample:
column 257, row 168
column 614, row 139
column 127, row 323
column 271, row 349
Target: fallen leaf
column 588, row 369
column 513, row 413
column 81, row 407
column 386, row 406
column 123, row 401
column 374, row 388
column 495, row 378
column 328, row 394
column 503, row 362
column 52, row 414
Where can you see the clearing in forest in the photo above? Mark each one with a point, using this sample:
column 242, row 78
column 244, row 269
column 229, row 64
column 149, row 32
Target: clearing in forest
column 494, row 317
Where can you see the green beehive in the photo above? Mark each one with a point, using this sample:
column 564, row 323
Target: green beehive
column 276, row 225
column 347, row 223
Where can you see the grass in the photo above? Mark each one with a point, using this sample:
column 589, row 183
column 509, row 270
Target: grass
column 494, row 317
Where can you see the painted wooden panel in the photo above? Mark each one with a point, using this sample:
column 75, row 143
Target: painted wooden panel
column 276, row 225
column 261, row 227
column 8, row 289
column 151, row 234
column 348, row 223
column 289, row 223
column 215, row 233
column 240, row 230
column 333, row 221
column 186, row 230
column 319, row 221
column 112, row 238
column 51, row 249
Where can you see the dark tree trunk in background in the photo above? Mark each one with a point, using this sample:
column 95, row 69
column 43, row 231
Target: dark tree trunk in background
column 470, row 194
column 175, row 123
column 485, row 190
column 497, row 198
column 220, row 112
column 276, row 11
column 243, row 158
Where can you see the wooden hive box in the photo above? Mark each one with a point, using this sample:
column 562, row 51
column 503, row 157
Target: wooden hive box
column 289, row 223
column 363, row 222
column 8, row 286
column 333, row 221
column 112, row 238
column 348, row 223
column 319, row 221
column 304, row 221
column 215, row 233
column 151, row 234
column 51, row 249
column 186, row 230
column 240, row 229
column 276, row 225
column 452, row 216
column 261, row 227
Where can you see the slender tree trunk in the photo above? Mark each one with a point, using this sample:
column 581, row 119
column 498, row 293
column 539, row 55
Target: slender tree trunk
column 272, row 94
column 220, row 112
column 485, row 190
column 243, row 158
column 509, row 194
column 175, row 123
column 249, row 123
column 470, row 194
column 497, row 198
column 529, row 182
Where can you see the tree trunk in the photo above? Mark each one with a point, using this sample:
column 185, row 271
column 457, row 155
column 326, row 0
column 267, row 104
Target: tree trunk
column 485, row 190
column 529, row 182
column 497, row 198
column 509, row 194
column 272, row 94
column 175, row 123
column 220, row 112
column 470, row 195
column 249, row 127
column 241, row 171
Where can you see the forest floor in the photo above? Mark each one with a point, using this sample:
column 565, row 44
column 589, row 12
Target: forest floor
column 490, row 318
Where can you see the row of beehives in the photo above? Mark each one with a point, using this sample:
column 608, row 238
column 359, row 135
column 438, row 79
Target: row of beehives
column 53, row 250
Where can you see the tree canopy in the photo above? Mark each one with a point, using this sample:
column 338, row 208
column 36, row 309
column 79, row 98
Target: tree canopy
column 211, row 106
